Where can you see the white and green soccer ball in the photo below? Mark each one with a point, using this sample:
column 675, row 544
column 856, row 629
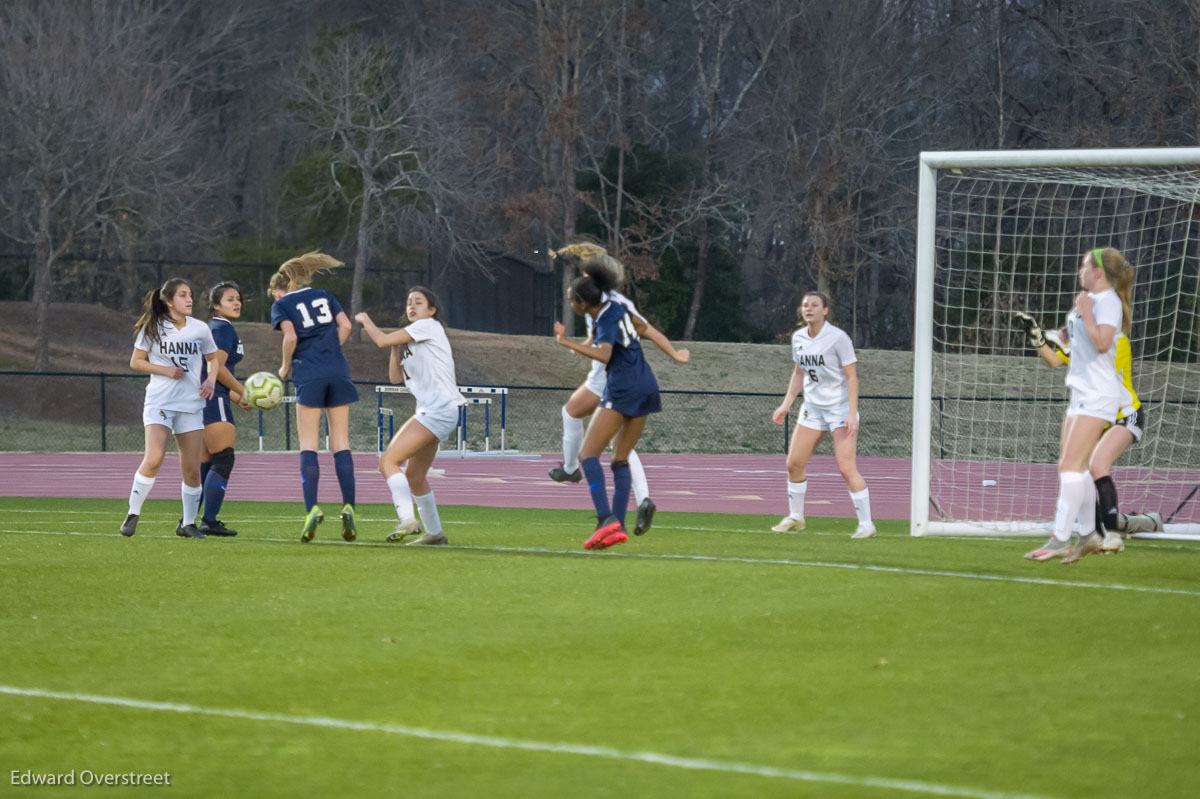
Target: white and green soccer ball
column 263, row 390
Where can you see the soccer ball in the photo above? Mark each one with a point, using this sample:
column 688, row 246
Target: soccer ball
column 263, row 390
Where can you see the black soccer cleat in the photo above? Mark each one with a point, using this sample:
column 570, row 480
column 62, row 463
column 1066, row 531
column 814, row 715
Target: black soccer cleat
column 216, row 528
column 188, row 531
column 129, row 526
column 560, row 475
column 645, row 515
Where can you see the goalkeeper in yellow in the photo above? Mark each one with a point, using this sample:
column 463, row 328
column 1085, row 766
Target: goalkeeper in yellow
column 1055, row 350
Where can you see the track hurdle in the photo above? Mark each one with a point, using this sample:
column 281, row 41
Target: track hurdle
column 461, row 427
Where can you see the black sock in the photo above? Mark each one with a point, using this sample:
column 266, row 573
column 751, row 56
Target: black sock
column 1106, row 501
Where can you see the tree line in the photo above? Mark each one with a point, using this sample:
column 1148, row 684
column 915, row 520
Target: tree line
column 733, row 153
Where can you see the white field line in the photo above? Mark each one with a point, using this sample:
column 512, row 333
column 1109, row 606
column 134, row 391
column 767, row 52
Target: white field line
column 997, row 578
column 495, row 742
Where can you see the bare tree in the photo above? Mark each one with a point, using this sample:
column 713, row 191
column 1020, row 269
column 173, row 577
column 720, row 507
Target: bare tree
column 397, row 149
column 95, row 122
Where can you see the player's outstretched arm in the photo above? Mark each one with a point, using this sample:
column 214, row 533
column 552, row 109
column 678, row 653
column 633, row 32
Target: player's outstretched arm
column 1038, row 339
column 600, row 352
column 380, row 338
column 648, row 330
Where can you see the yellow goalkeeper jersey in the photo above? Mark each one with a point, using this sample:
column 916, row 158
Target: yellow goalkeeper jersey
column 1124, row 367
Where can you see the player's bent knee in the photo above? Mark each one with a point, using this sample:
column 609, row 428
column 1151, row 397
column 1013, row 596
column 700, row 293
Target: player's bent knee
column 222, row 462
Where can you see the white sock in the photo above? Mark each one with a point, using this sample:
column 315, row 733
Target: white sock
column 429, row 515
column 1071, row 496
column 796, row 498
column 402, row 496
column 1087, row 511
column 862, row 505
column 141, row 490
column 641, row 489
column 191, row 502
column 572, row 440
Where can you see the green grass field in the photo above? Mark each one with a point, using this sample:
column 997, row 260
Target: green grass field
column 707, row 659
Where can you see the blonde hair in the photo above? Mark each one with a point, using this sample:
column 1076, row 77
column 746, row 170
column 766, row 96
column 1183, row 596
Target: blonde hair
column 590, row 258
column 296, row 273
column 1119, row 274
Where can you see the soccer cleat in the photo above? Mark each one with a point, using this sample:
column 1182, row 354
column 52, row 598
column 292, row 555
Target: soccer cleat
column 788, row 524
column 645, row 515
column 1086, row 545
column 429, row 540
column 1113, row 543
column 311, row 521
column 606, row 528
column 129, row 526
column 404, row 529
column 865, row 530
column 216, row 528
column 349, row 531
column 560, row 475
column 1049, row 550
column 188, row 531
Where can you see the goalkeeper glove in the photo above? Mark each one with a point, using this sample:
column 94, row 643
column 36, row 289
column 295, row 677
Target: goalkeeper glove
column 1032, row 330
column 1058, row 342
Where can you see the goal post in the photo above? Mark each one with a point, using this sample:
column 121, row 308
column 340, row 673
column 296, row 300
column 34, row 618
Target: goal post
column 1005, row 231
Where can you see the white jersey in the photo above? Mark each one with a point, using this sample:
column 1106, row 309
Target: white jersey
column 1094, row 374
column 823, row 360
column 183, row 348
column 607, row 297
column 429, row 367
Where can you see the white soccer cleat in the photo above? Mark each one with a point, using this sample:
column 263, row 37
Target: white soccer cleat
column 1086, row 545
column 429, row 540
column 404, row 529
column 1050, row 550
column 789, row 524
column 1113, row 543
column 865, row 530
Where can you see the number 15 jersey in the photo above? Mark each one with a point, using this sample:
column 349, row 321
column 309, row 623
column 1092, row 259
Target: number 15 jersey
column 313, row 314
column 823, row 359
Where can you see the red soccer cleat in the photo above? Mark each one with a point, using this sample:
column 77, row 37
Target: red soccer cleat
column 606, row 530
column 612, row 539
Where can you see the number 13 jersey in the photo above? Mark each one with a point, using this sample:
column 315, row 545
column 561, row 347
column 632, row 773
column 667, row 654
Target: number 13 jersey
column 313, row 314
column 823, row 359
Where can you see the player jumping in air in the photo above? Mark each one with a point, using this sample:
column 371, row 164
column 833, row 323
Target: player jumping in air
column 586, row 398
column 314, row 328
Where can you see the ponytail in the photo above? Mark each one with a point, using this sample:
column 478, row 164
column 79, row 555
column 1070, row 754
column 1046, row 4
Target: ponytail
column 155, row 310
column 599, row 271
column 1119, row 274
column 296, row 273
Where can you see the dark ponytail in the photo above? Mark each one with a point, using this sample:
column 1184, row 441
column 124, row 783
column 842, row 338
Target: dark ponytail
column 155, row 310
column 598, row 277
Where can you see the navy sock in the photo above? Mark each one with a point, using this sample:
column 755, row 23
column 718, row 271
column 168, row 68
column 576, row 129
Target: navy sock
column 214, row 495
column 595, row 477
column 343, row 462
column 204, row 467
column 310, row 473
column 621, row 484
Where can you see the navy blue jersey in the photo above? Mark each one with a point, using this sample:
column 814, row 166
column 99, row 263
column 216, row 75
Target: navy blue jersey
column 226, row 339
column 313, row 313
column 629, row 376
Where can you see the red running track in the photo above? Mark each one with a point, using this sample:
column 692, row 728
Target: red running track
column 702, row 483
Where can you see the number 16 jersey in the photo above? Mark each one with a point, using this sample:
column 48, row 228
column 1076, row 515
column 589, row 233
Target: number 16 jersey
column 313, row 314
column 823, row 359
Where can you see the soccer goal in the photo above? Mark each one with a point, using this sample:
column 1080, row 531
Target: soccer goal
column 1000, row 232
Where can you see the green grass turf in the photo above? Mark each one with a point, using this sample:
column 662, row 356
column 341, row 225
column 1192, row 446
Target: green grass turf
column 749, row 648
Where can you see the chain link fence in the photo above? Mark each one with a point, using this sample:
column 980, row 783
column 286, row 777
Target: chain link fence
column 87, row 412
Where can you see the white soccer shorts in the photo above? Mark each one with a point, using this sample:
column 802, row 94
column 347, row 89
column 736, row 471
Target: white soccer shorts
column 824, row 419
column 175, row 421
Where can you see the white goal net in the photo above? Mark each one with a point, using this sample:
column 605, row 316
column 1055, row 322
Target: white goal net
column 1005, row 232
